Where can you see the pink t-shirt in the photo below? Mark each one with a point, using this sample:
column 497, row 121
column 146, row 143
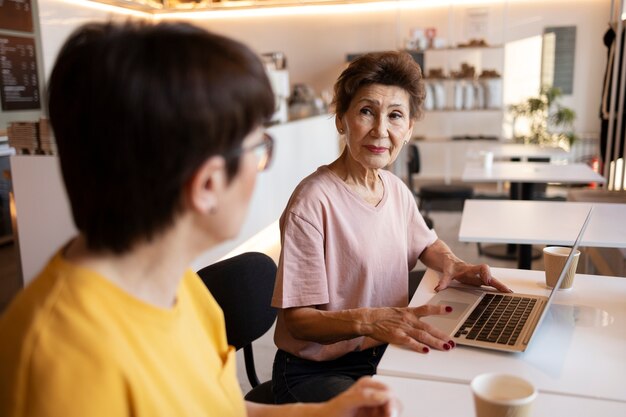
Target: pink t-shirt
column 338, row 252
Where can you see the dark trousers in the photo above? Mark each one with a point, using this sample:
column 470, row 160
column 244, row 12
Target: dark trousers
column 300, row 380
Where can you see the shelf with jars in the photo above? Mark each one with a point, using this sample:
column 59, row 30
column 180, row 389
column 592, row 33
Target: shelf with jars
column 464, row 88
column 464, row 78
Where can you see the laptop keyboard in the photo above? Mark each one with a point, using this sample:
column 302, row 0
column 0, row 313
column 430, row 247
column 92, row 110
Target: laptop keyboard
column 497, row 318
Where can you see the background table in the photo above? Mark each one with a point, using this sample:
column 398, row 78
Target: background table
column 444, row 160
column 421, row 397
column 542, row 222
column 523, row 177
column 580, row 350
column 530, row 173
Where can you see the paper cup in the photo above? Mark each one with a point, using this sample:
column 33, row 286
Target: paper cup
column 501, row 395
column 554, row 257
column 487, row 160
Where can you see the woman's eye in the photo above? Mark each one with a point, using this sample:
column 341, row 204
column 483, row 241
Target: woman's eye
column 366, row 111
column 395, row 115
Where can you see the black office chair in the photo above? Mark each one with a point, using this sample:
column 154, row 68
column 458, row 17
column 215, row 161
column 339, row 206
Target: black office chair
column 435, row 193
column 243, row 287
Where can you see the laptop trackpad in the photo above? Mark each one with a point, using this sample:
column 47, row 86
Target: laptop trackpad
column 458, row 309
column 460, row 300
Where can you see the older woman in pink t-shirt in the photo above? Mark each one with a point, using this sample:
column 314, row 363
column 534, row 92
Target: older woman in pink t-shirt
column 350, row 234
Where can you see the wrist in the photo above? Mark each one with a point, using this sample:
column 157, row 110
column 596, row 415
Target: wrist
column 307, row 410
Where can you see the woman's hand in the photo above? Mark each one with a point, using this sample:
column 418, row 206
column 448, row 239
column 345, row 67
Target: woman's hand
column 403, row 326
column 366, row 398
column 469, row 274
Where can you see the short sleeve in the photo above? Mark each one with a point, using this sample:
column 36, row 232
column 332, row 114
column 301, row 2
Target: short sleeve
column 419, row 236
column 301, row 279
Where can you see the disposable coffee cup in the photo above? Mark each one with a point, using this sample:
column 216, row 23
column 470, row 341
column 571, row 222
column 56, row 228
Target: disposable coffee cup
column 502, row 395
column 554, row 258
column 487, row 160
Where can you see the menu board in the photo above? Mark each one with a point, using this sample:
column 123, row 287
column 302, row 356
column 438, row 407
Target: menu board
column 16, row 15
column 19, row 84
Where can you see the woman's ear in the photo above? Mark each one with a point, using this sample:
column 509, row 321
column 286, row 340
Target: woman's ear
column 339, row 125
column 409, row 133
column 206, row 185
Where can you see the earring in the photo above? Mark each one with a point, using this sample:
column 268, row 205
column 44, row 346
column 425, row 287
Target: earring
column 405, row 142
column 341, row 131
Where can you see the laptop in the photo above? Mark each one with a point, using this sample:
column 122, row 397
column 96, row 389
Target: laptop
column 495, row 320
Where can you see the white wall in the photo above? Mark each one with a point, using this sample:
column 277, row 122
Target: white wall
column 300, row 148
column 316, row 44
column 527, row 18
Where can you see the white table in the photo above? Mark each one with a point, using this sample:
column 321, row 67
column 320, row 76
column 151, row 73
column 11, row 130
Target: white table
column 580, row 350
column 523, row 177
column 6, row 151
column 446, row 159
column 528, row 173
column 446, row 399
column 542, row 222
column 518, row 150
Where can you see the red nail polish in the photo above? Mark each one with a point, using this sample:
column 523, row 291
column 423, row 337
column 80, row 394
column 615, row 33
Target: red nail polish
column 425, row 350
column 451, row 343
column 448, row 309
column 446, row 346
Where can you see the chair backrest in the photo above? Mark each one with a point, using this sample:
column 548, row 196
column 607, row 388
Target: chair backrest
column 413, row 165
column 413, row 161
column 243, row 287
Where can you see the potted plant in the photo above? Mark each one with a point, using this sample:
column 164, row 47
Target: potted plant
column 549, row 122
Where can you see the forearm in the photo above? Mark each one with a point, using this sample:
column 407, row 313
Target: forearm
column 326, row 327
column 288, row 410
column 437, row 254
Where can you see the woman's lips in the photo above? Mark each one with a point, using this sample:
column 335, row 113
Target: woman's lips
column 375, row 149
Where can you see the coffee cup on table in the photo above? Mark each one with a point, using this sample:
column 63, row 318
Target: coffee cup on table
column 554, row 258
column 487, row 160
column 502, row 395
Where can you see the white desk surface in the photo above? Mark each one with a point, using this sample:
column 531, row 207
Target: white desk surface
column 543, row 222
column 445, row 399
column 580, row 349
column 534, row 172
column 445, row 159
column 6, row 151
column 518, row 150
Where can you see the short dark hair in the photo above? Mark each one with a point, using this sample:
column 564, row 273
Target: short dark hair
column 136, row 108
column 387, row 68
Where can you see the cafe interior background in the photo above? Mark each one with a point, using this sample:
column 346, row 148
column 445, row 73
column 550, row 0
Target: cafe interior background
column 479, row 57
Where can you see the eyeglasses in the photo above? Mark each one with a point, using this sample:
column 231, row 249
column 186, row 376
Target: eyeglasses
column 262, row 151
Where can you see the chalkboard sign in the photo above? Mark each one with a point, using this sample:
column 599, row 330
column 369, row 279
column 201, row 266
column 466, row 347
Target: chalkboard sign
column 19, row 84
column 16, row 15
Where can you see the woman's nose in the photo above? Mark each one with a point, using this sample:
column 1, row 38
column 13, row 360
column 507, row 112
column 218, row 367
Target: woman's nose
column 379, row 128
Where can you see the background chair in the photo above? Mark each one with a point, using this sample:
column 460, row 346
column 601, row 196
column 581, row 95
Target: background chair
column 435, row 195
column 243, row 287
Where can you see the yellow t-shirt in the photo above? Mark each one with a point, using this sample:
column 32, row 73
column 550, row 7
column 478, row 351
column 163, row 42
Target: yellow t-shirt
column 74, row 344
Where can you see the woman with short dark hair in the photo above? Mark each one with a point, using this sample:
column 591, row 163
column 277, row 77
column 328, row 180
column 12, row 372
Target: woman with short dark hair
column 160, row 137
column 350, row 234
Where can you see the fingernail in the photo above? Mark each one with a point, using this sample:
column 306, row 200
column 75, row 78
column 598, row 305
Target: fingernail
column 446, row 346
column 448, row 309
column 425, row 350
column 451, row 343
